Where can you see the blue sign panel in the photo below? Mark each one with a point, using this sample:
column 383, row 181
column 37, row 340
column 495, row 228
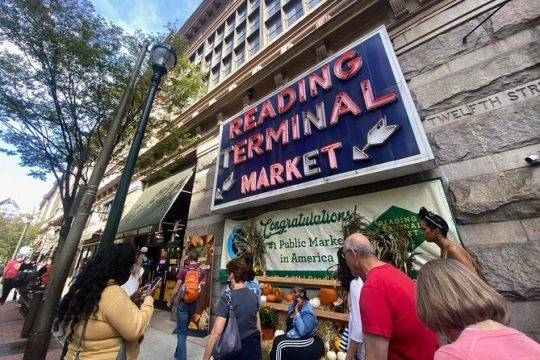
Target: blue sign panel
column 348, row 121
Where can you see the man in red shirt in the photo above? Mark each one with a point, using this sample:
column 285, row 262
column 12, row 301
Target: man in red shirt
column 391, row 327
column 10, row 272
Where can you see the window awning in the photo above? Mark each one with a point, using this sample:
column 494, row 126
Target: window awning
column 148, row 212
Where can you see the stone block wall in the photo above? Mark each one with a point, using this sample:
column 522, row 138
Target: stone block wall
column 480, row 106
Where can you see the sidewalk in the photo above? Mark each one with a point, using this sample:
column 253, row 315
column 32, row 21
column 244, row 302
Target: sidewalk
column 159, row 342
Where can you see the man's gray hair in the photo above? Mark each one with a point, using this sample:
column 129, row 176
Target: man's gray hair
column 363, row 250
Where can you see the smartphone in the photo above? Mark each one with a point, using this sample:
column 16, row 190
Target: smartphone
column 155, row 283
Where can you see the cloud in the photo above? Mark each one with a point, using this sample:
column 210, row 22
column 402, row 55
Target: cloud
column 148, row 16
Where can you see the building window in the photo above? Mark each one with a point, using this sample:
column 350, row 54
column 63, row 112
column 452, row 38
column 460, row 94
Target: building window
column 240, row 35
column 214, row 77
column 254, row 22
column 312, row 3
column 273, row 27
column 272, row 7
column 240, row 56
column 241, row 13
column 219, row 36
column 227, row 65
column 293, row 11
column 253, row 44
column 253, row 4
column 228, row 46
column 229, row 25
column 217, row 56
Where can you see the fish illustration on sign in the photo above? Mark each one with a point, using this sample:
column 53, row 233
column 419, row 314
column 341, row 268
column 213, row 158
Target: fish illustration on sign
column 377, row 135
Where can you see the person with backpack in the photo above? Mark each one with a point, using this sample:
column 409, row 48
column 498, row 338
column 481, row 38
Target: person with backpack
column 187, row 287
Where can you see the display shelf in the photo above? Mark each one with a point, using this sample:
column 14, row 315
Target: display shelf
column 325, row 314
column 308, row 283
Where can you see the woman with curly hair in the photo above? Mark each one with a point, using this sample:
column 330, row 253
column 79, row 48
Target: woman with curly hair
column 98, row 318
column 435, row 229
column 454, row 302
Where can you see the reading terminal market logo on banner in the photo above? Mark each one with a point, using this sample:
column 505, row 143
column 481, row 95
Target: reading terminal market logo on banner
column 349, row 114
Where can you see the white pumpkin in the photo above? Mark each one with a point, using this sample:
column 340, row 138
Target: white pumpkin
column 330, row 355
column 341, row 355
column 315, row 302
column 263, row 298
column 279, row 332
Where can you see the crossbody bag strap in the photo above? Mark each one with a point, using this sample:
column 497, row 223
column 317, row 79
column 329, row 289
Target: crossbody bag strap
column 81, row 339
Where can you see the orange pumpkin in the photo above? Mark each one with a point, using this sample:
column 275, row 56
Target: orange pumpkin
column 327, row 296
column 266, row 289
column 271, row 298
column 289, row 298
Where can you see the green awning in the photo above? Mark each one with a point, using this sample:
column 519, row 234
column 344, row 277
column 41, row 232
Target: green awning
column 150, row 209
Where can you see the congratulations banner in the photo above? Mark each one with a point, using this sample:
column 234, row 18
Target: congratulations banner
column 303, row 241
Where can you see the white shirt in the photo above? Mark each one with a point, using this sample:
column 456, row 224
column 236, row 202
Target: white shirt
column 132, row 284
column 355, row 321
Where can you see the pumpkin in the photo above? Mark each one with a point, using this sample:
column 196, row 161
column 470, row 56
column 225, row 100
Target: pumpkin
column 336, row 343
column 315, row 302
column 289, row 298
column 328, row 296
column 266, row 289
column 263, row 298
column 330, row 355
column 279, row 332
column 271, row 298
column 341, row 355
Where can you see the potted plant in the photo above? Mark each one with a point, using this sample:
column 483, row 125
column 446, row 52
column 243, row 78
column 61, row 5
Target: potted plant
column 269, row 318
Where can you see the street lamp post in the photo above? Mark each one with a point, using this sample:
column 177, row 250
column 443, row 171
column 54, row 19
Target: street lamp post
column 163, row 60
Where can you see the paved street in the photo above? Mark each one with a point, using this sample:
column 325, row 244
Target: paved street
column 159, row 342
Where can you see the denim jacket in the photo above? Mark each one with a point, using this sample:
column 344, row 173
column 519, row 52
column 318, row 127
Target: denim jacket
column 304, row 323
column 254, row 286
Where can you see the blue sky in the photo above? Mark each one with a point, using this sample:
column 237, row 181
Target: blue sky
column 148, row 16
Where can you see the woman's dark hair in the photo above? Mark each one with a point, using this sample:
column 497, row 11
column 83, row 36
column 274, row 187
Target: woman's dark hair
column 301, row 289
column 238, row 268
column 113, row 262
column 433, row 220
column 344, row 273
column 248, row 257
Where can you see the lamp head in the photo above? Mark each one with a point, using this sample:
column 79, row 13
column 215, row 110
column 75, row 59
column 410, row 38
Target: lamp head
column 163, row 58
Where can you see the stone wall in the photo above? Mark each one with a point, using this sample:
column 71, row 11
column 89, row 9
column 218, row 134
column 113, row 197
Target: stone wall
column 480, row 103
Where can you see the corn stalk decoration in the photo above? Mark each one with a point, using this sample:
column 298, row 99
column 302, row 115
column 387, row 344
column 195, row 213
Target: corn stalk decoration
column 389, row 242
column 250, row 240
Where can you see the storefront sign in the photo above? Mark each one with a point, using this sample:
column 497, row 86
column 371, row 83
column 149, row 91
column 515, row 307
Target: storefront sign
column 348, row 121
column 303, row 241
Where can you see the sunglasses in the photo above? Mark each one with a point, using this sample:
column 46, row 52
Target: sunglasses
column 344, row 254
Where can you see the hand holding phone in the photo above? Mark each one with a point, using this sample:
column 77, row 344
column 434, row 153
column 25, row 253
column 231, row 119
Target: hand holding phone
column 155, row 283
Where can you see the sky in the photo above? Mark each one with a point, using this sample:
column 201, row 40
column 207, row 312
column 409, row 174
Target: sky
column 148, row 16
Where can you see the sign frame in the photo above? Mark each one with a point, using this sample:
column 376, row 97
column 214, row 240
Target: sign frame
column 423, row 161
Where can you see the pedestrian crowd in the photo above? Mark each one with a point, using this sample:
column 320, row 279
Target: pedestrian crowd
column 449, row 312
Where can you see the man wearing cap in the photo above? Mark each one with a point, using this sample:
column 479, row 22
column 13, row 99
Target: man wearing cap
column 146, row 265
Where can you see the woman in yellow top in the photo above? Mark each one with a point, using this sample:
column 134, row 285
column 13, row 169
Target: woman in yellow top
column 114, row 324
column 435, row 230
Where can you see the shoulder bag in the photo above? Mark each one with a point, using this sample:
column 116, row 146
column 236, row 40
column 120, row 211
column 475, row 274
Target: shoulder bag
column 229, row 344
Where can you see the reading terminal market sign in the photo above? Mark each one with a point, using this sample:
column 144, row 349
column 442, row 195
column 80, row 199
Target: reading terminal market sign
column 348, row 121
